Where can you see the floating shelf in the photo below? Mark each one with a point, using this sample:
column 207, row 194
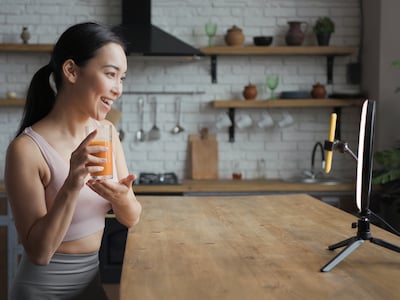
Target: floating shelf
column 337, row 105
column 329, row 51
column 12, row 102
column 40, row 48
column 286, row 103
column 272, row 50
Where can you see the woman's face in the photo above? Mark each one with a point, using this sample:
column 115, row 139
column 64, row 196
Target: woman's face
column 99, row 82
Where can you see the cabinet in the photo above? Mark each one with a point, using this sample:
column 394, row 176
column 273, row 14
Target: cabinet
column 10, row 249
column 3, row 246
column 330, row 52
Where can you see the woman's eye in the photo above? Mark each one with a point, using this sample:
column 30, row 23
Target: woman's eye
column 110, row 74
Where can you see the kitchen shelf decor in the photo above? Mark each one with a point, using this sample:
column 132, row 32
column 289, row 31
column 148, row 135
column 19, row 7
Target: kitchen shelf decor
column 40, row 48
column 337, row 104
column 329, row 51
column 12, row 102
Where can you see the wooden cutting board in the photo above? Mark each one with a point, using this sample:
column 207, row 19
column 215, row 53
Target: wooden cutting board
column 203, row 156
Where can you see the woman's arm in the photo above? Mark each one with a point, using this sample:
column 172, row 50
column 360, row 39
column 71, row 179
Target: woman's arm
column 41, row 229
column 126, row 207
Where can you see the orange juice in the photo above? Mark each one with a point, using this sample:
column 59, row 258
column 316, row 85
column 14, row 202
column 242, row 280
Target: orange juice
column 108, row 164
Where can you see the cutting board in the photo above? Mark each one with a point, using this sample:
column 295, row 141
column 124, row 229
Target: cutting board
column 203, row 156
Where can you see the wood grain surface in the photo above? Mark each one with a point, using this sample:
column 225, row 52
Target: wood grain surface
column 251, row 247
column 244, row 186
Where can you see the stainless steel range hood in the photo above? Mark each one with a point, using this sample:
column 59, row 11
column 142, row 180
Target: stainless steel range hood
column 143, row 38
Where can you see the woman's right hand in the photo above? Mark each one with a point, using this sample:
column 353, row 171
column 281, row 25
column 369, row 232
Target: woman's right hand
column 80, row 157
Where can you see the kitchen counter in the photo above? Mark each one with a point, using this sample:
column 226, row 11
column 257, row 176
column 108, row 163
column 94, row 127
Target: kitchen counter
column 241, row 186
column 251, row 247
column 235, row 186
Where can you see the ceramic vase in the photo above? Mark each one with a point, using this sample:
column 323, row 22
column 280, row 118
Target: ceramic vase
column 25, row 35
column 295, row 35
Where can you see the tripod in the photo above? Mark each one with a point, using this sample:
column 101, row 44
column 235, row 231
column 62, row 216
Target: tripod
column 363, row 224
column 351, row 244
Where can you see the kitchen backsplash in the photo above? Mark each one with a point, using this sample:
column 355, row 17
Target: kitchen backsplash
column 273, row 152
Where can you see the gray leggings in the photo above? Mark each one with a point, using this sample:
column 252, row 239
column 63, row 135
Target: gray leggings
column 67, row 276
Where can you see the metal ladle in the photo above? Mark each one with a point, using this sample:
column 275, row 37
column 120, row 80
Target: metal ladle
column 140, row 134
column 178, row 128
column 154, row 133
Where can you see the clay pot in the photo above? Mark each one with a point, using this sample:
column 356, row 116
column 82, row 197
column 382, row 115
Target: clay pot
column 250, row 92
column 318, row 91
column 295, row 34
column 234, row 36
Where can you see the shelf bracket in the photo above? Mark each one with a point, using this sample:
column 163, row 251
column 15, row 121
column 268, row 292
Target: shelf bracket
column 213, row 69
column 329, row 68
column 231, row 114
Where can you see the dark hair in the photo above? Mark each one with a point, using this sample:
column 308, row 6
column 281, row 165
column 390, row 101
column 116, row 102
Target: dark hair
column 79, row 43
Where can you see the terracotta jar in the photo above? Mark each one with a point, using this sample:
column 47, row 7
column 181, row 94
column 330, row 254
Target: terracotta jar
column 234, row 36
column 250, row 92
column 318, row 91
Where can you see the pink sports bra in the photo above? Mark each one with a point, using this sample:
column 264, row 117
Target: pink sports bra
column 91, row 208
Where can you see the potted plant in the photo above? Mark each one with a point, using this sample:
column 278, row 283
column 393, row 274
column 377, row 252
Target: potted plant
column 323, row 28
column 386, row 179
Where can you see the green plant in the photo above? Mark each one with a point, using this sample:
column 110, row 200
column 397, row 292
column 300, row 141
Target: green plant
column 389, row 162
column 324, row 25
column 396, row 63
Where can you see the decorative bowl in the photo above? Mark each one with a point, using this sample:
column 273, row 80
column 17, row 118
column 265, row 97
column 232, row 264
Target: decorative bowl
column 262, row 40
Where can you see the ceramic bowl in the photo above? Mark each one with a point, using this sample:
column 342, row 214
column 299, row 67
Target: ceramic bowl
column 262, row 40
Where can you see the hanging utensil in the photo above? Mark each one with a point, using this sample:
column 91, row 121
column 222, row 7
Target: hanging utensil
column 178, row 128
column 140, row 134
column 154, row 133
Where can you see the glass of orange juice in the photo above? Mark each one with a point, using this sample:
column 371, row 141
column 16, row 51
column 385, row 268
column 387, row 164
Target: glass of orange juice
column 102, row 138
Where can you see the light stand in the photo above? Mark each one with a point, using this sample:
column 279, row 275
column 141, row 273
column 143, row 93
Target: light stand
column 364, row 174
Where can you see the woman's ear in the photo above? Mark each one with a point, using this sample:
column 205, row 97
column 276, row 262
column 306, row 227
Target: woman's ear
column 70, row 70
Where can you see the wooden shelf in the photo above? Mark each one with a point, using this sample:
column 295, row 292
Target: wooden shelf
column 337, row 105
column 329, row 51
column 286, row 103
column 40, row 48
column 12, row 102
column 271, row 50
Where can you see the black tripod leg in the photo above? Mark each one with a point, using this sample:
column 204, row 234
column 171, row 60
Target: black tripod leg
column 385, row 244
column 343, row 254
column 342, row 243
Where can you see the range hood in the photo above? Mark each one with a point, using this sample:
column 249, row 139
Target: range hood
column 143, row 38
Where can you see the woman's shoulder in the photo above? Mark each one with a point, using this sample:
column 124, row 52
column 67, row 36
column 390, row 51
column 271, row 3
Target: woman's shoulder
column 22, row 145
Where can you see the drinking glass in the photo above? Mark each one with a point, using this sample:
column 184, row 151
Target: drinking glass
column 102, row 138
column 211, row 30
column 272, row 83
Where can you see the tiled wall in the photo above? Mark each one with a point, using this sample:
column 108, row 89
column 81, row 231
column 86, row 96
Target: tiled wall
column 287, row 151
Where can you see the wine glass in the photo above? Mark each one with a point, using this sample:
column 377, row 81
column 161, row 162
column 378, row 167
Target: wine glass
column 211, row 30
column 272, row 83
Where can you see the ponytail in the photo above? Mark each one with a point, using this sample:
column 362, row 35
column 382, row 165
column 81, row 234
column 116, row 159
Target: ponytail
column 40, row 98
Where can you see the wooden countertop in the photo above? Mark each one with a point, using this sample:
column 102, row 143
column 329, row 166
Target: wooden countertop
column 251, row 185
column 251, row 247
column 227, row 185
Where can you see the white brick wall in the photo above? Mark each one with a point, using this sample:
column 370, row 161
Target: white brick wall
column 287, row 151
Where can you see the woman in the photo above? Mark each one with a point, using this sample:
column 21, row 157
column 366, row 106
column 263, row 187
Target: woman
column 58, row 211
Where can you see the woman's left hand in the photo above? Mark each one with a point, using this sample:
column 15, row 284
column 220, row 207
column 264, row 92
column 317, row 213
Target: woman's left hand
column 115, row 192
